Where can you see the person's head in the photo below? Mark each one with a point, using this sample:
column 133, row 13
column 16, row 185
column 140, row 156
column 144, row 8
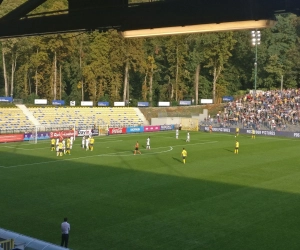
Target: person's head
column 183, row 149
column 65, row 219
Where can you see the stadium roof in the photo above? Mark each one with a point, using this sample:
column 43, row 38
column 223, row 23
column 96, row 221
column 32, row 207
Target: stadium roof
column 89, row 15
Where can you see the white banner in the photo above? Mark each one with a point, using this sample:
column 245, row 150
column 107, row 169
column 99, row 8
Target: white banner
column 40, row 101
column 119, row 104
column 206, row 101
column 82, row 132
column 164, row 104
column 87, row 103
column 72, row 103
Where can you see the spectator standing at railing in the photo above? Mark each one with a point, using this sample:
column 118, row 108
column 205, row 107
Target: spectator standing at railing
column 65, row 230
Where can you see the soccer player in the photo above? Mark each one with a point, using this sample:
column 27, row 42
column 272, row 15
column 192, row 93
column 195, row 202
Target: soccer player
column 57, row 149
column 184, row 155
column 92, row 140
column 253, row 134
column 60, row 147
column 83, row 142
column 177, row 133
column 237, row 145
column 188, row 137
column 68, row 151
column 71, row 142
column 57, row 141
column 210, row 128
column 148, row 143
column 237, row 131
column 52, row 144
column 64, row 146
column 87, row 143
column 136, row 148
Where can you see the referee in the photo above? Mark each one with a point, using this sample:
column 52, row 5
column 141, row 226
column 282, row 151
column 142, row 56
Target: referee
column 65, row 229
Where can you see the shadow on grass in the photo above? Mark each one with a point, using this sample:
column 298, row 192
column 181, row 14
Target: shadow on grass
column 134, row 208
column 177, row 159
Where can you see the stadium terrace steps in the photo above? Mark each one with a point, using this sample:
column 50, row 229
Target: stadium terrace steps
column 28, row 114
column 83, row 116
column 12, row 119
column 141, row 116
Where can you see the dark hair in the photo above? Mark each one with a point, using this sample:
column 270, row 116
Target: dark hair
column 65, row 219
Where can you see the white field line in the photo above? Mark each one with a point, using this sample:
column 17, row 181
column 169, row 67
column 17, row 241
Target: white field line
column 108, row 154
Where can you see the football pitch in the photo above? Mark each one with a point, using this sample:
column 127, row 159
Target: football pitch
column 116, row 200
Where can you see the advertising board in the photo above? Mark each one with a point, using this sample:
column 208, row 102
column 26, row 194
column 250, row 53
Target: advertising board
column 143, row 104
column 206, row 101
column 64, row 134
column 185, row 103
column 103, row 104
column 40, row 101
column 58, row 102
column 119, row 104
column 86, row 103
column 227, row 98
column 151, row 128
column 6, row 99
column 114, row 131
column 11, row 138
column 134, row 130
column 40, row 136
column 164, row 104
column 166, row 127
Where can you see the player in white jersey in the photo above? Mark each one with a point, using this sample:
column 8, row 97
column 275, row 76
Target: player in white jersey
column 83, row 142
column 64, row 146
column 71, row 142
column 148, row 143
column 188, row 137
column 57, row 141
column 177, row 133
column 57, row 150
column 87, row 142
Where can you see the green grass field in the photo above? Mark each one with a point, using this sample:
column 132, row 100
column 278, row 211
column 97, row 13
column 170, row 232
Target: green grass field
column 115, row 200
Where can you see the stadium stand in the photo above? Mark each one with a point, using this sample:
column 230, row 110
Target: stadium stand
column 87, row 116
column 13, row 120
column 270, row 110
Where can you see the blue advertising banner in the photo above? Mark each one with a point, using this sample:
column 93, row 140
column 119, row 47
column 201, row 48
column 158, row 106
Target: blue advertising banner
column 103, row 104
column 227, row 98
column 6, row 99
column 40, row 136
column 58, row 102
column 143, row 104
column 185, row 103
column 135, row 129
column 166, row 127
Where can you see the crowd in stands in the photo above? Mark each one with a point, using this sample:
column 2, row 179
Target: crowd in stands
column 274, row 110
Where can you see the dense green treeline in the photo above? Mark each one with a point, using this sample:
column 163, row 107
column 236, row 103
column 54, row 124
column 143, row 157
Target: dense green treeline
column 105, row 66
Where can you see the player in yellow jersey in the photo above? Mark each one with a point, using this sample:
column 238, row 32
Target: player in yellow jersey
column 184, row 155
column 68, row 141
column 253, row 134
column 237, row 145
column 237, row 131
column 60, row 147
column 68, row 147
column 92, row 141
column 53, row 144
